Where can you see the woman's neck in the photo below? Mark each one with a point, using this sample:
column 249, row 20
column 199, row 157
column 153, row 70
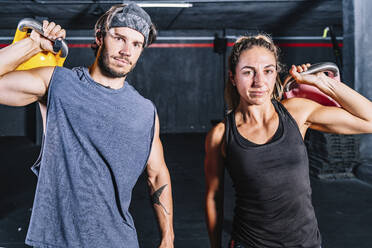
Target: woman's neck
column 259, row 114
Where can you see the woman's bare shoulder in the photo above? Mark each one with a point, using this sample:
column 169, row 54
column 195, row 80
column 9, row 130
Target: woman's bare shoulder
column 215, row 135
column 299, row 106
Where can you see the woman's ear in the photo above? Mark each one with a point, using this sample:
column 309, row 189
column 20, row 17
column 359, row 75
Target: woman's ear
column 231, row 77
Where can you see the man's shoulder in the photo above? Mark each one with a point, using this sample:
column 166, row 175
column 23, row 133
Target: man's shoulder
column 67, row 71
column 64, row 78
column 138, row 95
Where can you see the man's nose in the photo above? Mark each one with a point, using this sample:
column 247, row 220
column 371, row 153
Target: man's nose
column 126, row 50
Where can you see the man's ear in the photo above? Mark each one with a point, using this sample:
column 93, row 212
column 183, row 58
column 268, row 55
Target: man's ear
column 99, row 38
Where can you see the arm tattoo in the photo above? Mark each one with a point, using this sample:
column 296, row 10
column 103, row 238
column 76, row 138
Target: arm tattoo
column 155, row 198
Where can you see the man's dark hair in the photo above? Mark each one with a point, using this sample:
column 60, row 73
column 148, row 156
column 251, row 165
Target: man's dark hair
column 103, row 25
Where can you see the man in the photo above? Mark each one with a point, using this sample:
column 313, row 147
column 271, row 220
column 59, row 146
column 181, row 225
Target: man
column 100, row 135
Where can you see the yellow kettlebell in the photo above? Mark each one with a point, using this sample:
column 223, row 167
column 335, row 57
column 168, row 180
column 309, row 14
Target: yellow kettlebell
column 43, row 58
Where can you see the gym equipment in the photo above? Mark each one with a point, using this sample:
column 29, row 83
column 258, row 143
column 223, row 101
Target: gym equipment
column 24, row 28
column 336, row 48
column 292, row 89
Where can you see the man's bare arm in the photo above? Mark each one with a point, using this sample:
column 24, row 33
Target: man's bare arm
column 19, row 88
column 161, row 190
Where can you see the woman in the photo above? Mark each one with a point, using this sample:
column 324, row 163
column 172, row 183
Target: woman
column 261, row 145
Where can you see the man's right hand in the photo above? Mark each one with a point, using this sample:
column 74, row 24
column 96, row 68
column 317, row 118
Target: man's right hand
column 52, row 32
column 20, row 88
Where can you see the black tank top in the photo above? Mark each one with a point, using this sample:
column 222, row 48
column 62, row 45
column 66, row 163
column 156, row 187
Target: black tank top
column 273, row 196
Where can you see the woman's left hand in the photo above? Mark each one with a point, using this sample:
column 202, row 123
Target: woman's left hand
column 319, row 80
column 354, row 116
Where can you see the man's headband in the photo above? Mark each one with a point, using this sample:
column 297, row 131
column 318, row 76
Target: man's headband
column 134, row 17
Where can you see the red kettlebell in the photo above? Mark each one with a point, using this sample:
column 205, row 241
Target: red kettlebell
column 293, row 89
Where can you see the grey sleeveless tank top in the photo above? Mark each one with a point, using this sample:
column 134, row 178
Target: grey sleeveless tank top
column 96, row 145
column 272, row 187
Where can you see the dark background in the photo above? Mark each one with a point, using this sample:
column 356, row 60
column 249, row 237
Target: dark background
column 185, row 83
column 185, row 78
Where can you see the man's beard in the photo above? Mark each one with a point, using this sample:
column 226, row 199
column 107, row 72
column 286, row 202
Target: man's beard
column 103, row 63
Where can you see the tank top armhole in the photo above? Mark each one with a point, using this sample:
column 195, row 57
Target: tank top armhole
column 286, row 113
column 50, row 86
column 35, row 168
column 152, row 131
column 228, row 133
column 227, row 128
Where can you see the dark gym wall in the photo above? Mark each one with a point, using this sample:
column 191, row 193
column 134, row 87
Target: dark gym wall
column 184, row 79
column 13, row 121
column 358, row 37
column 185, row 82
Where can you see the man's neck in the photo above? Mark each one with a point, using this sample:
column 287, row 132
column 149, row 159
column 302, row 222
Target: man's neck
column 109, row 82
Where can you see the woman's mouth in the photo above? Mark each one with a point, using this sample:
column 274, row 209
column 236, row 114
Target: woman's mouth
column 257, row 93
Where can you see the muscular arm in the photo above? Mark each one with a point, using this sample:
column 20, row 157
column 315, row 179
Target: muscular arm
column 160, row 189
column 354, row 117
column 214, row 176
column 19, row 88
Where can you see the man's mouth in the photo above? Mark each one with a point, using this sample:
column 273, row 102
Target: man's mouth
column 122, row 61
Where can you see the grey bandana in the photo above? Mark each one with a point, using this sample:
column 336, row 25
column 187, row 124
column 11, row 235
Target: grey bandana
column 134, row 17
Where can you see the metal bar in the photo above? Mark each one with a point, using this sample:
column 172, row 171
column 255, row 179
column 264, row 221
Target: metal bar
column 293, row 37
column 241, row 1
column 149, row 2
column 231, row 37
column 165, row 5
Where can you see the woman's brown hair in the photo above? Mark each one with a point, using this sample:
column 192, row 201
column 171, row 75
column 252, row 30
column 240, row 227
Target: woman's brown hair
column 232, row 96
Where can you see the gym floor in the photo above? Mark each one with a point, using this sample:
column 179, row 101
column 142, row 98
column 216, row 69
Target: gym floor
column 343, row 207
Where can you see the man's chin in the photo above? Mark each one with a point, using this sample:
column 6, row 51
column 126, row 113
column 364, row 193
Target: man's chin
column 115, row 71
column 121, row 71
column 112, row 73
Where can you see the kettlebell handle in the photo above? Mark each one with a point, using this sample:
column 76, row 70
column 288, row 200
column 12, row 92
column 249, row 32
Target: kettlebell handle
column 29, row 23
column 319, row 67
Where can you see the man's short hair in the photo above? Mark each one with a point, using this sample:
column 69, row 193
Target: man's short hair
column 123, row 15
